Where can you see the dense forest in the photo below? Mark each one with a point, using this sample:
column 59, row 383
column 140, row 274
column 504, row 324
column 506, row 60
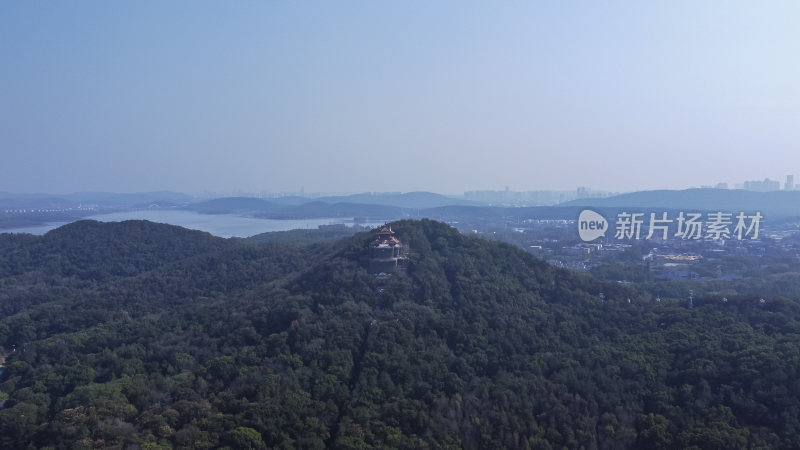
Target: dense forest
column 139, row 335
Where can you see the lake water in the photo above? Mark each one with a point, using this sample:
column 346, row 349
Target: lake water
column 223, row 225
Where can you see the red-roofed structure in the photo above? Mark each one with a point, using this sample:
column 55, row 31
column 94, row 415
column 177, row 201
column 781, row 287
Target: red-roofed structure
column 386, row 251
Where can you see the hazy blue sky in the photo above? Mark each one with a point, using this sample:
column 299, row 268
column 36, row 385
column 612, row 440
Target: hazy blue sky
column 386, row 95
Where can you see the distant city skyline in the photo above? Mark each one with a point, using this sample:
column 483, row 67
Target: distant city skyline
column 765, row 185
column 445, row 96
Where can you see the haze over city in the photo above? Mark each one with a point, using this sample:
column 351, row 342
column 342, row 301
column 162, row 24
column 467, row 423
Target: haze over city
column 397, row 225
column 364, row 96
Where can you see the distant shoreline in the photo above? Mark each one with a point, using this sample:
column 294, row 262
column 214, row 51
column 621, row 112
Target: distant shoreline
column 222, row 225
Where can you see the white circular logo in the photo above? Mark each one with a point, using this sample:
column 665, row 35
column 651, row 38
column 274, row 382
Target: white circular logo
column 591, row 225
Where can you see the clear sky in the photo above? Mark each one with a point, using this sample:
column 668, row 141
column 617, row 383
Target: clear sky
column 396, row 96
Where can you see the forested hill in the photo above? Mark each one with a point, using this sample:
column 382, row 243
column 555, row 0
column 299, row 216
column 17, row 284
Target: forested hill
column 209, row 343
column 91, row 249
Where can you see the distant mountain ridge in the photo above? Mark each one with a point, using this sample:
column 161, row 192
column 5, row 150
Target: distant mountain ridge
column 264, row 209
column 33, row 209
column 408, row 200
column 231, row 205
column 383, row 206
column 106, row 199
column 418, row 200
column 781, row 203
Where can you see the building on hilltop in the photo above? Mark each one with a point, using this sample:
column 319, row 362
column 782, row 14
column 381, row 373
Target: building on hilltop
column 386, row 252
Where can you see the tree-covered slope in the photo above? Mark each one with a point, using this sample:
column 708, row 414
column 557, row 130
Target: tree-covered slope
column 96, row 250
column 84, row 254
column 475, row 344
